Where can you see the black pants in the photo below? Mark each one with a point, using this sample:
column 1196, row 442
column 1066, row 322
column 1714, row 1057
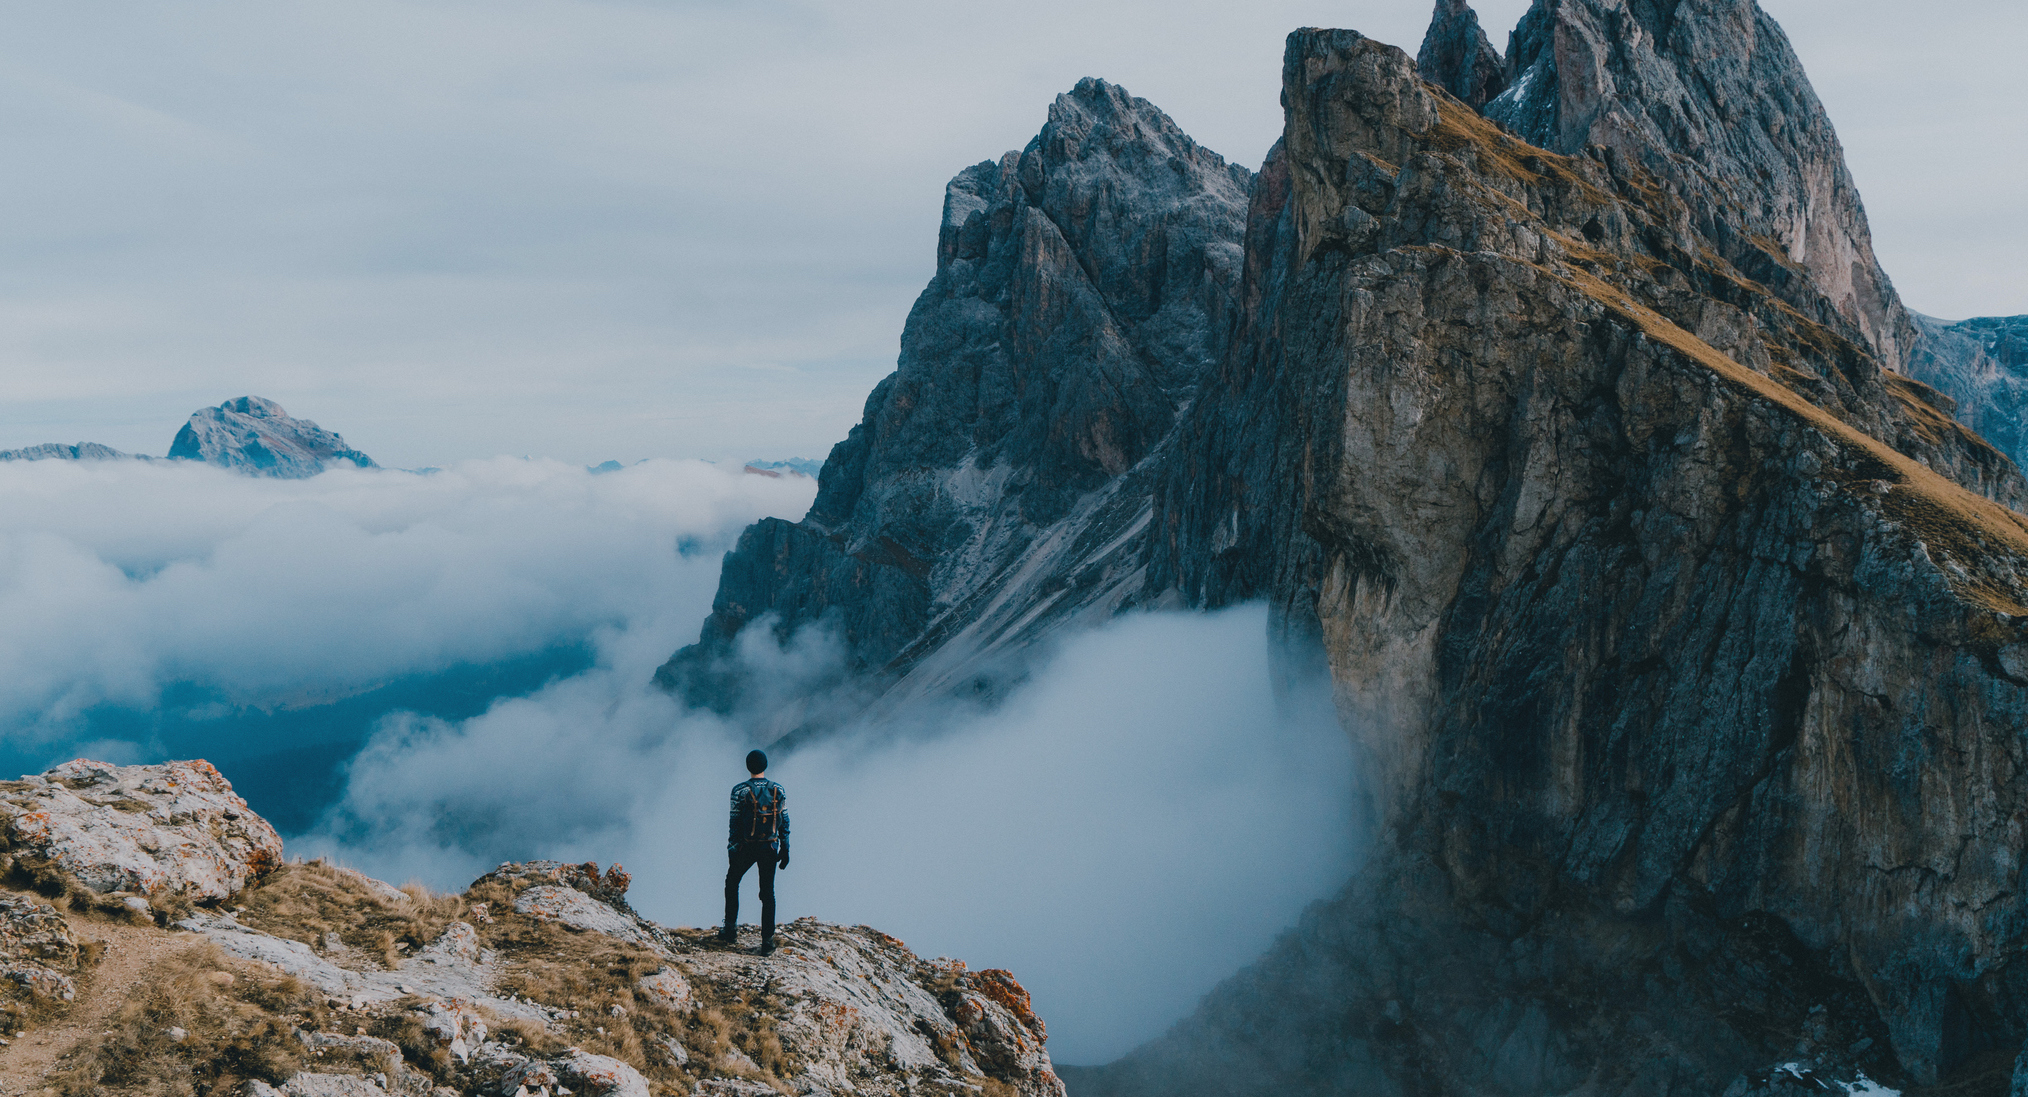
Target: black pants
column 742, row 857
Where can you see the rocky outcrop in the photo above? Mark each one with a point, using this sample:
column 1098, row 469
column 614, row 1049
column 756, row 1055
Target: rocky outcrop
column 1457, row 56
column 999, row 482
column 40, row 959
column 1982, row 366
column 82, row 451
column 310, row 980
column 256, row 436
column 154, row 834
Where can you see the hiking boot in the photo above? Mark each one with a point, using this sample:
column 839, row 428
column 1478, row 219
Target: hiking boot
column 728, row 935
column 767, row 948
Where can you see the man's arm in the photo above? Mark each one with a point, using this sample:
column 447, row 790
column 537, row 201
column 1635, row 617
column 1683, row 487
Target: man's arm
column 784, row 804
column 732, row 823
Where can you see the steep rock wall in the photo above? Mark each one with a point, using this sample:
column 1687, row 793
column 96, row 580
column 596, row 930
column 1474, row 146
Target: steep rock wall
column 1982, row 366
column 1683, row 642
column 1709, row 97
column 999, row 482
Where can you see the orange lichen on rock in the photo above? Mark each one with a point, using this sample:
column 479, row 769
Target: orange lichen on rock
column 1001, row 986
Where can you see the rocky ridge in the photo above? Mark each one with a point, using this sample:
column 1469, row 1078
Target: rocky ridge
column 82, row 451
column 248, row 435
column 310, row 980
column 999, row 482
column 1679, row 626
column 1670, row 624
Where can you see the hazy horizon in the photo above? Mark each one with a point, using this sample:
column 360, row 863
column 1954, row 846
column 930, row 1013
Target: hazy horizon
column 597, row 231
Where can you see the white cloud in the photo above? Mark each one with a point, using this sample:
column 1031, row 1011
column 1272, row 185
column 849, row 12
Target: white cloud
column 119, row 580
column 1134, row 823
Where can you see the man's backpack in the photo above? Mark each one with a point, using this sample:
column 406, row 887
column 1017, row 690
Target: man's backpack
column 764, row 821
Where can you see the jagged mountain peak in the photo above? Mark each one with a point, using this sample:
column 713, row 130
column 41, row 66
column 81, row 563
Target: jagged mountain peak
column 254, row 435
column 1709, row 96
column 1457, row 56
column 1080, row 295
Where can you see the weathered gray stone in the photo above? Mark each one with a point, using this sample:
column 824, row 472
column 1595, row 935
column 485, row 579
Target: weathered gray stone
column 170, row 829
column 256, row 436
column 1684, row 735
column 1708, row 98
column 1457, row 56
column 1982, row 366
column 997, row 485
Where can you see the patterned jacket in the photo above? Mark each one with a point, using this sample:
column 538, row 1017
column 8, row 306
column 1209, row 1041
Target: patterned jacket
column 741, row 824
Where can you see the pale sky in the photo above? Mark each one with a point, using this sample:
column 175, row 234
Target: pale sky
column 631, row 229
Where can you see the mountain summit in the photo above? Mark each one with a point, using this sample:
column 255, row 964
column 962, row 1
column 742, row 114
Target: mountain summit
column 253, row 435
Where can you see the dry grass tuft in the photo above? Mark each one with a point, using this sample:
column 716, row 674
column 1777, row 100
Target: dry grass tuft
column 305, row 902
column 1946, row 516
column 230, row 1032
column 1501, row 153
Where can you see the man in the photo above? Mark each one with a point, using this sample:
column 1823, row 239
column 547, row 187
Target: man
column 758, row 834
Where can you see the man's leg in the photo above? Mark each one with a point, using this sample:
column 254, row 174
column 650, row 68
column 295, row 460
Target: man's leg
column 736, row 862
column 767, row 897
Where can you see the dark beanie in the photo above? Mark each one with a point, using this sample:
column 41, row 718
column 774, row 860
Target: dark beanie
column 756, row 762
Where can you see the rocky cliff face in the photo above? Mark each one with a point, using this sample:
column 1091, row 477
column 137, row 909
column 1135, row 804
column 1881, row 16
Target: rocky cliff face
column 999, row 483
column 1675, row 630
column 1982, row 365
column 1680, row 629
column 159, row 944
column 256, row 436
column 1457, row 56
column 1711, row 101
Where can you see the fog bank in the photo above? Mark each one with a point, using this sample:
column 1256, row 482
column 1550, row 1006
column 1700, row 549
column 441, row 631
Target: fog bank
column 171, row 610
column 1134, row 823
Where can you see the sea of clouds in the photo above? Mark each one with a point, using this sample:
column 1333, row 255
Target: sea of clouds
column 1135, row 822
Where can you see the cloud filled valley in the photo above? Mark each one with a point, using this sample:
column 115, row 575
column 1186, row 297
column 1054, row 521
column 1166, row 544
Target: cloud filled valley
column 427, row 673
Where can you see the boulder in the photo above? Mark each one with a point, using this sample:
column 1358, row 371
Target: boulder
column 666, row 988
column 175, row 829
column 609, row 887
column 577, row 910
column 598, row 1075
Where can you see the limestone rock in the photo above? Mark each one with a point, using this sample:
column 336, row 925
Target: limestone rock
column 846, row 991
column 39, row 955
column 457, row 1025
column 577, row 910
column 666, row 988
column 309, row 1084
column 598, row 1075
column 1630, row 576
column 1981, row 365
column 1708, row 98
column 609, row 887
column 170, row 829
column 256, row 436
column 997, row 484
column 1457, row 56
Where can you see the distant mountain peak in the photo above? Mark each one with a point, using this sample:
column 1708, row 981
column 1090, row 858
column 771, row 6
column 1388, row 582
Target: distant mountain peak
column 254, row 435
